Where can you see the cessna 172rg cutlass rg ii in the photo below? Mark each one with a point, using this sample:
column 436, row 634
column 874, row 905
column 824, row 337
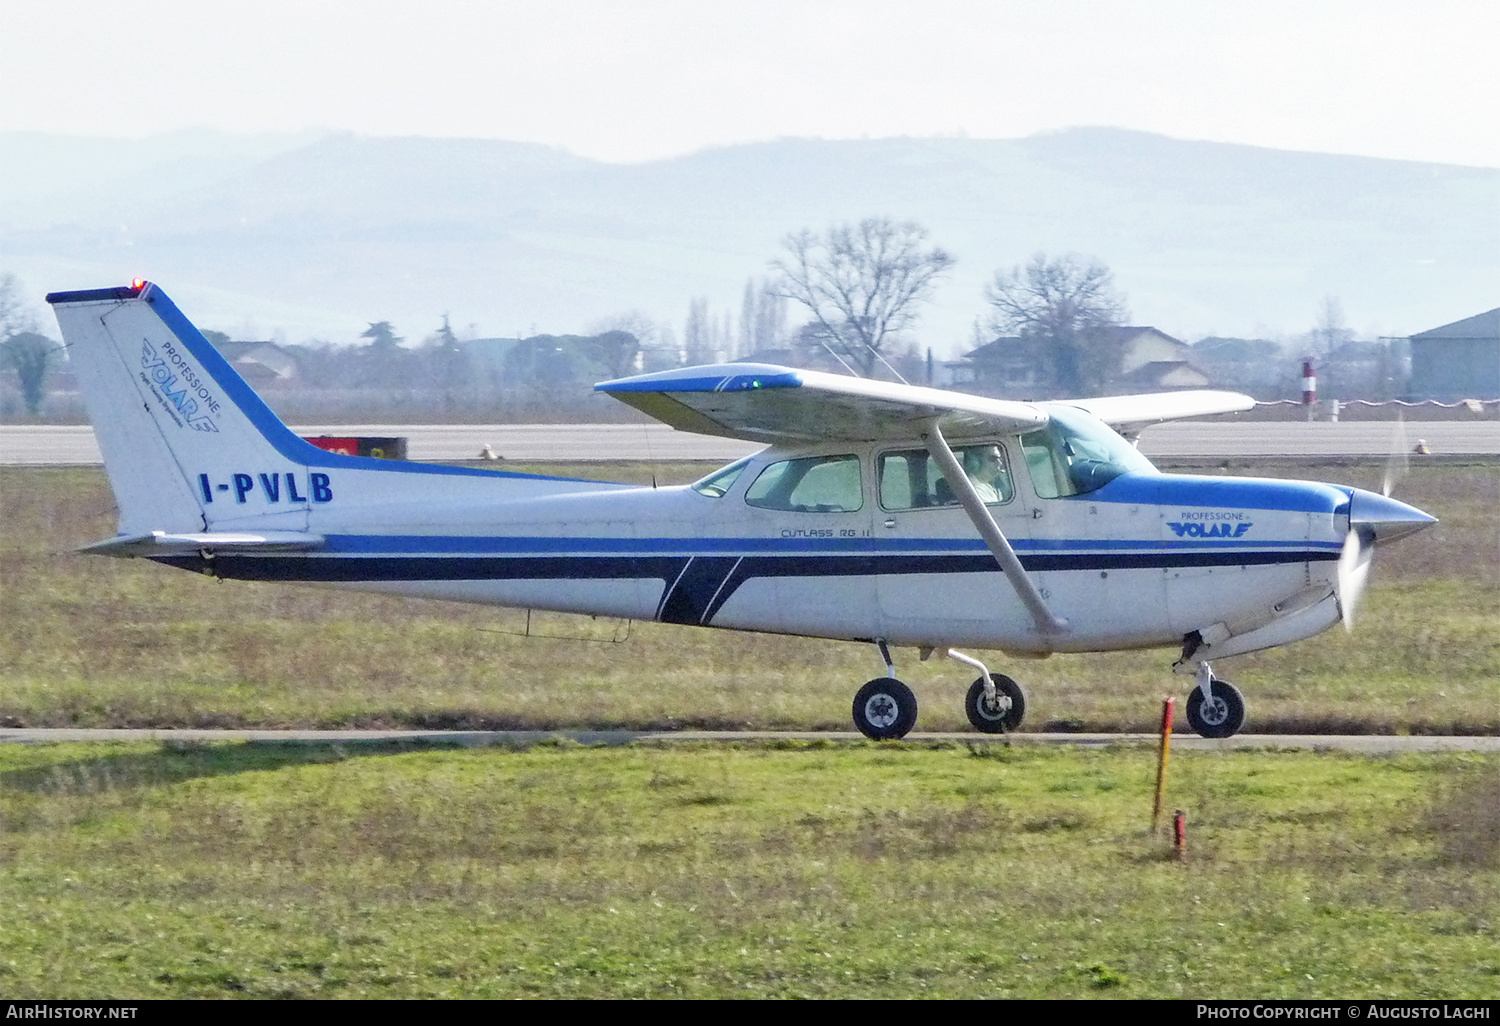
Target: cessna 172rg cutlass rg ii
column 888, row 513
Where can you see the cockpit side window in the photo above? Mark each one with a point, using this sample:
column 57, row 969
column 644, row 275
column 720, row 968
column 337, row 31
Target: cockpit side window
column 1076, row 454
column 911, row 478
column 814, row 484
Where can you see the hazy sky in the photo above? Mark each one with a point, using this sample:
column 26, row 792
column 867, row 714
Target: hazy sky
column 629, row 81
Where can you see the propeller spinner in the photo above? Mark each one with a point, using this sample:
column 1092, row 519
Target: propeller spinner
column 1373, row 520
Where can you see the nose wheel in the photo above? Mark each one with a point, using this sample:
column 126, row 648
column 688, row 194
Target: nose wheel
column 999, row 712
column 1215, row 708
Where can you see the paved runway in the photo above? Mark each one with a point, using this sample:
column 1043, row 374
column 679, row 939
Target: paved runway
column 474, row 738
column 27, row 445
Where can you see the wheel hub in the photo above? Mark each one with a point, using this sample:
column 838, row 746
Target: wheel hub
column 881, row 710
column 1214, row 711
column 994, row 708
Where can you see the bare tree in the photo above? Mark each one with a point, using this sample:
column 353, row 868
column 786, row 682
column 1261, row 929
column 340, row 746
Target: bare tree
column 1062, row 311
column 1330, row 331
column 770, row 318
column 696, row 333
column 861, row 283
column 15, row 314
column 749, row 315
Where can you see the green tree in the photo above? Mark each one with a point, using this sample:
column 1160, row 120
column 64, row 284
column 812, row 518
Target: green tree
column 383, row 337
column 615, row 350
column 31, row 355
column 448, row 362
column 385, row 363
column 23, row 348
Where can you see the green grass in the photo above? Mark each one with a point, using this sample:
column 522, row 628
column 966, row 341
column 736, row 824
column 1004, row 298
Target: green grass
column 91, row 641
column 752, row 869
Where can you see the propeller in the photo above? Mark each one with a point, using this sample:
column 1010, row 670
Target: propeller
column 1399, row 461
column 1359, row 543
column 1354, row 571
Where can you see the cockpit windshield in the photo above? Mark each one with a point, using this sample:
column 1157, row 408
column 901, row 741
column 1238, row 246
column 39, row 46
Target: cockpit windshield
column 1076, row 454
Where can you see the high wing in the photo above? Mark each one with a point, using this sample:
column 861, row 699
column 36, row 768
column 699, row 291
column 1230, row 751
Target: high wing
column 766, row 403
column 1134, row 412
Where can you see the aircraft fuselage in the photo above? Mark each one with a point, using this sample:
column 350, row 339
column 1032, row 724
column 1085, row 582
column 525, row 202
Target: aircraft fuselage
column 1140, row 562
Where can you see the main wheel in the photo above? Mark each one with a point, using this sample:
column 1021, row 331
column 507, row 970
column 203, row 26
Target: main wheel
column 1222, row 715
column 1001, row 716
column 885, row 709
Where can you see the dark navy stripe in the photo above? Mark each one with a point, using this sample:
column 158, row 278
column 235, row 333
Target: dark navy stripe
column 695, row 588
column 330, row 570
column 380, row 545
column 119, row 292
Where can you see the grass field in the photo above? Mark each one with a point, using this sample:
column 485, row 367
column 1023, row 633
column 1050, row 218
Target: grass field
column 737, row 869
column 91, row 641
column 750, row 869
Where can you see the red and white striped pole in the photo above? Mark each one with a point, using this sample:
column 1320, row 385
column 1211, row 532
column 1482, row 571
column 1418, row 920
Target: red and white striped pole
column 1309, row 383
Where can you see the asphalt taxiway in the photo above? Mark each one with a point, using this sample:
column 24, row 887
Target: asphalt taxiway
column 1364, row 743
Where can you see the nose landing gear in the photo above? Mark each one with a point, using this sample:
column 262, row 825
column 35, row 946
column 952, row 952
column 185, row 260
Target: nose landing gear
column 1001, row 710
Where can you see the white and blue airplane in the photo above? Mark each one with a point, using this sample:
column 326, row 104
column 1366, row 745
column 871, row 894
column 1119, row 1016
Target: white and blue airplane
column 879, row 512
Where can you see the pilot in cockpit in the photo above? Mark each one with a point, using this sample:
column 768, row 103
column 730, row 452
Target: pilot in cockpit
column 985, row 468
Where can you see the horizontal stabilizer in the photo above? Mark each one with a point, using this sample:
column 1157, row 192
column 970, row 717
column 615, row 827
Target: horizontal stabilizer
column 160, row 543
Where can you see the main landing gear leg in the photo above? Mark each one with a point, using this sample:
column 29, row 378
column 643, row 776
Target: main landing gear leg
column 885, row 709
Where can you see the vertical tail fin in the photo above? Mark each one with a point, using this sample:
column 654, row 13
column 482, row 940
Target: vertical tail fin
column 180, row 430
column 189, row 446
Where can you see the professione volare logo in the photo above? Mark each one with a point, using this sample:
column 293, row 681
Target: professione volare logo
column 179, row 389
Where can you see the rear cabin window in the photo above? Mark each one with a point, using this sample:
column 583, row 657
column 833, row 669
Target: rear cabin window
column 911, row 478
column 815, row 484
column 721, row 480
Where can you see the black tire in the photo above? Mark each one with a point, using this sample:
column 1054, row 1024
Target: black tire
column 1223, row 717
column 1011, row 702
column 885, row 709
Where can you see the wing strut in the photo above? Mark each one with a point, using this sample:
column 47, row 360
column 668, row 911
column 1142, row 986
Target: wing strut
column 1047, row 622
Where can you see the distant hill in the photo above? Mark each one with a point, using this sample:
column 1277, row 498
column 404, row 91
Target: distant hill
column 319, row 235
